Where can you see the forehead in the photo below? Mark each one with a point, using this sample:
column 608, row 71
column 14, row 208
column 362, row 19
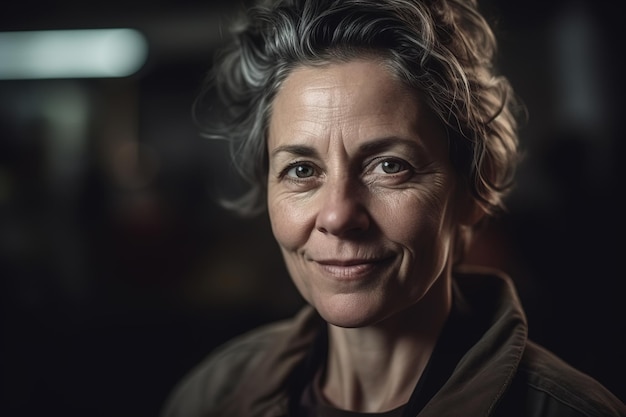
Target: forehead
column 367, row 85
column 355, row 100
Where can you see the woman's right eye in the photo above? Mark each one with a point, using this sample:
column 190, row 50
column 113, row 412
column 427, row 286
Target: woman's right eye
column 300, row 171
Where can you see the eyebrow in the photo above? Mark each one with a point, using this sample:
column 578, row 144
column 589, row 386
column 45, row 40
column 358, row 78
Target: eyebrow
column 382, row 144
column 373, row 146
column 299, row 150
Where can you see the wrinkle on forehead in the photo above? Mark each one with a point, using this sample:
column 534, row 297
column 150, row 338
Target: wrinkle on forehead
column 322, row 83
column 338, row 100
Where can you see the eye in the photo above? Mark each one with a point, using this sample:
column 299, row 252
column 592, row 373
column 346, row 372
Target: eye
column 391, row 166
column 300, row 171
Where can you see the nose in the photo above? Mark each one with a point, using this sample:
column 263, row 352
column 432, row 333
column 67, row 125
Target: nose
column 343, row 211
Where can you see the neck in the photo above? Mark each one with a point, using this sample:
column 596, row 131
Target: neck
column 376, row 368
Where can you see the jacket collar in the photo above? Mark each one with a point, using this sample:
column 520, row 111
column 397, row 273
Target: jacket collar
column 264, row 392
column 485, row 372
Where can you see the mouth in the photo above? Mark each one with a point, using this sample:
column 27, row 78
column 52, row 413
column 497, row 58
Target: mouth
column 348, row 269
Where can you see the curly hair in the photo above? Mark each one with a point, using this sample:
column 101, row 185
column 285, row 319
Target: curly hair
column 443, row 49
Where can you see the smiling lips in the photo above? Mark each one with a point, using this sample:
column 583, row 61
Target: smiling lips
column 351, row 268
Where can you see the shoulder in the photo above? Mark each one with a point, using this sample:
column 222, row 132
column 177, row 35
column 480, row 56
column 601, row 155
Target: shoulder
column 220, row 372
column 553, row 387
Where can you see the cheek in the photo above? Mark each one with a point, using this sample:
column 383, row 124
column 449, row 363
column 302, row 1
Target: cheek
column 420, row 222
column 289, row 224
column 291, row 234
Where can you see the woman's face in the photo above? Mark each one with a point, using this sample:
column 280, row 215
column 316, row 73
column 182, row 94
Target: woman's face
column 361, row 193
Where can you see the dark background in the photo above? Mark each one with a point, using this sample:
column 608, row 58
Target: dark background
column 118, row 272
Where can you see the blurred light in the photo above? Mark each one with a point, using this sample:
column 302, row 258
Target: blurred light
column 85, row 53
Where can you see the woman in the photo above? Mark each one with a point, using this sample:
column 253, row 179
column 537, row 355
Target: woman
column 378, row 135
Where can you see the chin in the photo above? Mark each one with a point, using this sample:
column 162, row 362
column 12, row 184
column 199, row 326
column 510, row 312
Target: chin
column 350, row 311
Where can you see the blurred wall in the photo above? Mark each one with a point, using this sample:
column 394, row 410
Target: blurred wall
column 118, row 271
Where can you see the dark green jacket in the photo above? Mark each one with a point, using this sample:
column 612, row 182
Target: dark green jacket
column 502, row 375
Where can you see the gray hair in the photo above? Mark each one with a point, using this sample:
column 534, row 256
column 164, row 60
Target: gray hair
column 444, row 49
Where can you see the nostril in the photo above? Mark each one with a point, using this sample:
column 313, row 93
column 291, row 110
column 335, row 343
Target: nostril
column 355, row 221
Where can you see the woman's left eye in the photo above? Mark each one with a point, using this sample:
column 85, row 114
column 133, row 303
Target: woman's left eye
column 390, row 166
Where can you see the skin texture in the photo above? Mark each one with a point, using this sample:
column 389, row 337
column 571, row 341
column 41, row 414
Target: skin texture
column 364, row 205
